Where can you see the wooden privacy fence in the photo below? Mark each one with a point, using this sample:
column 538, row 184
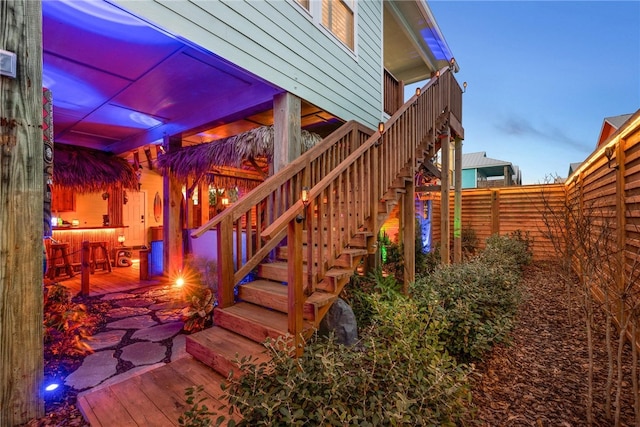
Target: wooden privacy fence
column 504, row 210
column 596, row 213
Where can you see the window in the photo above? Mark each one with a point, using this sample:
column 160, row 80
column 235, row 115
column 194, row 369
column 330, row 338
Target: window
column 304, row 3
column 337, row 16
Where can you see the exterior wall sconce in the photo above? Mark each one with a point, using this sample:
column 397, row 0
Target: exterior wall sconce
column 418, row 91
column 121, row 239
column 381, row 131
column 304, row 196
column 608, row 152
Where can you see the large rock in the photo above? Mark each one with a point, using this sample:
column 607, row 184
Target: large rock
column 342, row 322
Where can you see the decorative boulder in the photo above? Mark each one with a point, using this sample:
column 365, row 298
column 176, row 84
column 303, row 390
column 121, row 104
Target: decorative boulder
column 342, row 322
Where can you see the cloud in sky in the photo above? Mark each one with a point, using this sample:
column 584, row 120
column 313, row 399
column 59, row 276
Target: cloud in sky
column 520, row 127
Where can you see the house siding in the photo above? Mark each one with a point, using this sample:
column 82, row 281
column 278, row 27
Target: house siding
column 469, row 178
column 278, row 42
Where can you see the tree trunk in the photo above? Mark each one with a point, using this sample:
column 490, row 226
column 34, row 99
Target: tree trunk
column 21, row 215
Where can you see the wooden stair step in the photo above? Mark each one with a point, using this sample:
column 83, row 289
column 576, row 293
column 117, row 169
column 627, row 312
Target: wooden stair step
column 346, row 259
column 252, row 321
column 335, row 279
column 277, row 271
column 267, row 293
column 218, row 348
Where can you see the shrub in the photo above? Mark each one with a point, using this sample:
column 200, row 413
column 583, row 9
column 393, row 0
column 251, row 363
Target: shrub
column 479, row 298
column 199, row 291
column 397, row 375
column 67, row 325
column 511, row 251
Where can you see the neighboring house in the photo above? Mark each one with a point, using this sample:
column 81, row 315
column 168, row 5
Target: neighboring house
column 479, row 171
column 573, row 167
column 610, row 125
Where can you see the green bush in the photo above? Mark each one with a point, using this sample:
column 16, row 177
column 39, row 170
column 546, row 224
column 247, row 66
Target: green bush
column 397, row 375
column 479, row 298
column 511, row 251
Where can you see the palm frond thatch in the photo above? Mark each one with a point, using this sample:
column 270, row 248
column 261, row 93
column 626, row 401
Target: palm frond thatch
column 85, row 170
column 197, row 160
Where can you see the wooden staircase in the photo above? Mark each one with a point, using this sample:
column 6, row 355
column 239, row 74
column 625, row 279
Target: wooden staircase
column 300, row 255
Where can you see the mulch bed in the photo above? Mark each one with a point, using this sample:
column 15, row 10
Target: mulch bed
column 539, row 379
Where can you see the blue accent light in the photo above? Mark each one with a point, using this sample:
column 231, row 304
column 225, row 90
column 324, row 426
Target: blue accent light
column 52, row 387
column 81, row 92
column 102, row 18
column 436, row 44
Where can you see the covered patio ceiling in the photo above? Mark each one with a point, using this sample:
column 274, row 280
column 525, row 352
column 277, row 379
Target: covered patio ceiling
column 120, row 83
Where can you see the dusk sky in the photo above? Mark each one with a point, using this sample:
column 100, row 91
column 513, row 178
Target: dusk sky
column 542, row 76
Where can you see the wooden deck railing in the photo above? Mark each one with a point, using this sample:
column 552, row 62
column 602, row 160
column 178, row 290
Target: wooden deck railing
column 346, row 201
column 348, row 175
column 393, row 93
column 251, row 215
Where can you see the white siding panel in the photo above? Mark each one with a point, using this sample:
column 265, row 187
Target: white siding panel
column 278, row 42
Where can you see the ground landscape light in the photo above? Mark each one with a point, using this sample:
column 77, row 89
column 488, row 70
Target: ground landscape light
column 51, row 387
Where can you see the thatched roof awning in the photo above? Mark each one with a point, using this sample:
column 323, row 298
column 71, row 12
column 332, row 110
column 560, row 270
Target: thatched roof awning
column 86, row 170
column 198, row 160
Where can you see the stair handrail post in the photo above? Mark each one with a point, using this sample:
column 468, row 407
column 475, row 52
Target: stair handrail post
column 226, row 282
column 295, row 285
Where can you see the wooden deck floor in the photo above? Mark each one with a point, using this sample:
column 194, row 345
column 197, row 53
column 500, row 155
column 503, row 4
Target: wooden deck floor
column 120, row 279
column 154, row 398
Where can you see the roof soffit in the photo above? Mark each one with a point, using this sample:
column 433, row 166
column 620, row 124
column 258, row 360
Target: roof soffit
column 414, row 47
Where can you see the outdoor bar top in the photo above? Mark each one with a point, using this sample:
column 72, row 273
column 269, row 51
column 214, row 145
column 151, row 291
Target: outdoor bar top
column 74, row 236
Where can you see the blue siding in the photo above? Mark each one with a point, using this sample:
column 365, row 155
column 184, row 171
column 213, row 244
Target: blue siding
column 469, row 178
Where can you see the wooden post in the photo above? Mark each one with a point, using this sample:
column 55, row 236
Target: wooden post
column 621, row 231
column 457, row 203
column 295, row 285
column 226, row 281
column 495, row 211
column 374, row 204
column 445, row 257
column 21, row 216
column 409, row 235
column 172, row 216
column 287, row 129
column 85, row 269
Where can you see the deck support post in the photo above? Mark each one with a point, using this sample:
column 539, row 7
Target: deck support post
column 445, row 237
column 172, row 216
column 287, row 129
column 21, row 216
column 409, row 235
column 457, row 204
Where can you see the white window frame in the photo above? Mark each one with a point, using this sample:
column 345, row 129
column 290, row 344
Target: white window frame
column 315, row 15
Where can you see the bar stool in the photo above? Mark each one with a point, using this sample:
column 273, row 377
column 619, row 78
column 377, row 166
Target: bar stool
column 94, row 262
column 59, row 253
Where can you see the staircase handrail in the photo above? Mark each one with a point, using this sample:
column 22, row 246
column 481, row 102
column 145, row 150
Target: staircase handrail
column 383, row 163
column 296, row 209
column 272, row 182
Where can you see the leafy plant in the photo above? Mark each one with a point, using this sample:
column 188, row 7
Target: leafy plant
column 199, row 313
column 67, row 325
column 199, row 292
column 198, row 415
column 479, row 298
